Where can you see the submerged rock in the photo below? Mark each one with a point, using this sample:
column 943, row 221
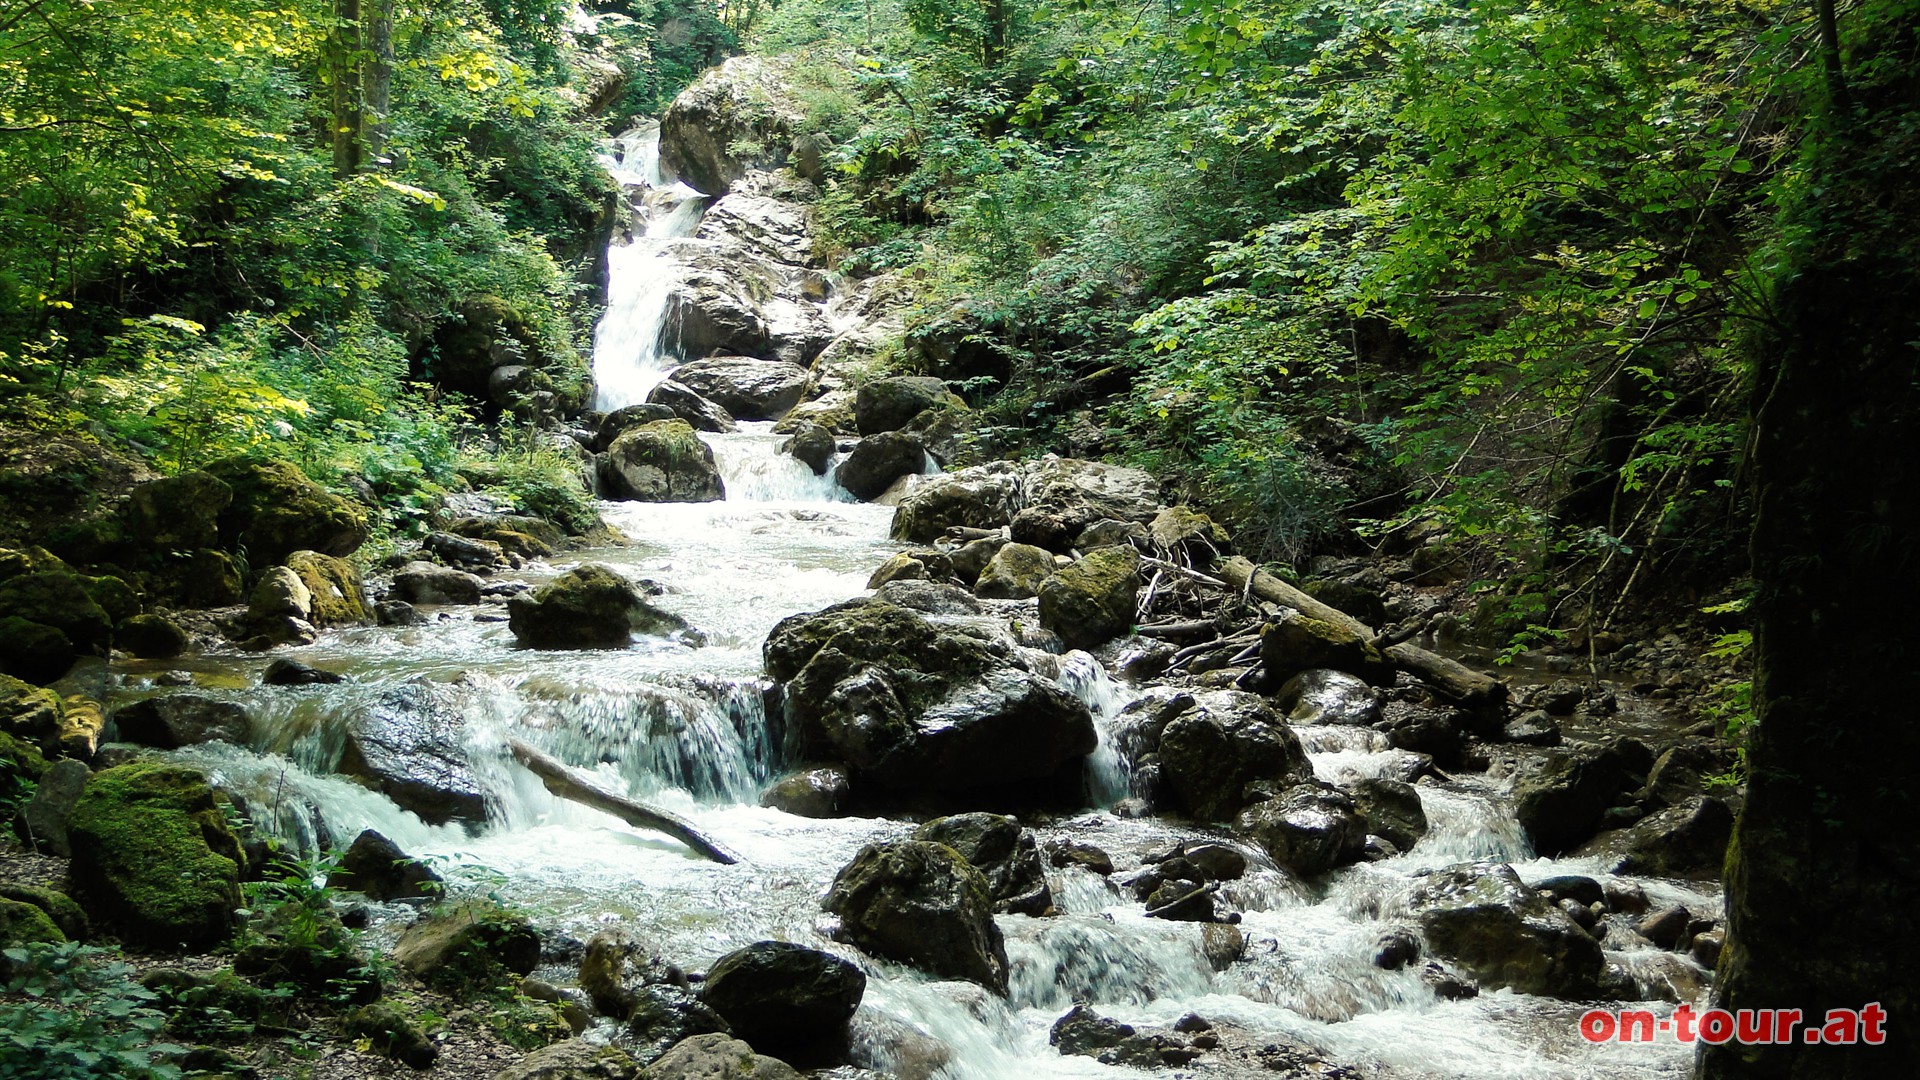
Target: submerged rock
column 921, row 904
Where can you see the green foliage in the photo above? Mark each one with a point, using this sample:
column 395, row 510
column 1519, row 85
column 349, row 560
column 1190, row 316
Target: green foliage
column 81, row 1014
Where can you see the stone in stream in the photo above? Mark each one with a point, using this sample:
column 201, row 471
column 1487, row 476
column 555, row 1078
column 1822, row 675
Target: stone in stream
column 153, row 859
column 1002, row 851
column 661, row 462
column 901, row 566
column 921, row 904
column 785, row 999
column 592, row 606
column 1560, row 802
column 819, row 792
column 717, row 1057
column 1309, row 829
column 284, row 672
column 1220, row 742
column 878, row 460
column 812, row 444
column 1325, row 696
column 1392, row 810
column 170, row 721
column 431, row 583
column 701, row 414
column 407, row 745
column 914, row 704
column 1293, row 643
column 977, row 497
column 1689, row 840
column 338, row 595
column 1092, row 601
column 1504, row 934
column 617, row 422
column 376, row 866
column 1015, row 572
column 748, row 388
column 152, row 637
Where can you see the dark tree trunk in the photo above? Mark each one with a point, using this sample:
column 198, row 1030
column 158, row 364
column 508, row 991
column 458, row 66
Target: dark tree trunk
column 344, row 48
column 376, row 80
column 1825, row 861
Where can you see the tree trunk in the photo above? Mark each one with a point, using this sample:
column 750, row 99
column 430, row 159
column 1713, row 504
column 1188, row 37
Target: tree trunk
column 376, row 81
column 344, row 47
column 1824, row 863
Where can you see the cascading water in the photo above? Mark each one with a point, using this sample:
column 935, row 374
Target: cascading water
column 687, row 729
column 628, row 357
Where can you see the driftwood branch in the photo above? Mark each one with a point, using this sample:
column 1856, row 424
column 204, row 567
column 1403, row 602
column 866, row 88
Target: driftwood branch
column 574, row 786
column 1174, row 631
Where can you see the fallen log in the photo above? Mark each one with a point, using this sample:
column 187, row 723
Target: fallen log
column 1174, row 631
column 574, row 786
column 1451, row 679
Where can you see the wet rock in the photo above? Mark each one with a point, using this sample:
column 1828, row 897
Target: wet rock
column 1392, row 810
column 1078, row 853
column 921, row 904
column 946, row 430
column 1481, row 917
column 928, row 598
column 979, row 497
column 887, row 1047
column 469, row 949
column 431, row 583
column 1561, row 698
column 45, row 815
column 277, row 510
column 1182, row 900
column 397, row 613
column 696, row 411
column 464, row 551
column 376, row 866
column 717, row 1057
column 1309, row 829
column 815, row 793
column 1002, row 851
column 1689, row 840
column 878, row 460
column 1294, row 643
column 899, row 567
column 1560, row 803
column 889, row 404
column 1534, row 728
column 1575, row 887
column 1085, row 1033
column 1445, row 984
column 153, row 859
column 1625, row 897
column 1226, row 740
column 1222, row 944
column 666, row 1014
column 592, row 606
column 910, row 703
column 152, row 637
column 813, row 445
column 1665, row 927
column 1015, row 572
column 617, row 422
column 284, row 672
column 389, row 1033
column 170, row 721
column 1706, row 947
column 1324, row 696
column 573, row 1059
column 407, row 745
column 747, row 388
column 786, row 999
column 1395, row 950
column 1092, row 601
column 615, row 972
column 661, row 462
column 1439, row 733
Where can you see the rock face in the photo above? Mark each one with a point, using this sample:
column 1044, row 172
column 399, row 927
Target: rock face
column 889, row 404
column 1502, row 933
column 407, row 745
column 1224, row 741
column 717, row 1057
column 153, row 857
column 169, row 721
column 590, row 607
column 663, row 461
column 1003, row 852
column 879, row 460
column 911, row 703
column 1015, row 572
column 742, row 103
column 786, row 999
column 277, row 511
column 921, row 904
column 747, row 388
column 1309, row 829
column 1092, row 601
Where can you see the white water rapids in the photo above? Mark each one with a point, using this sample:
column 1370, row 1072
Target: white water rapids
column 687, row 728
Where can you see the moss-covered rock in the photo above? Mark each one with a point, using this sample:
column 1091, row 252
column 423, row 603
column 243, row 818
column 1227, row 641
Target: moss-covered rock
column 177, row 512
column 152, row 637
column 200, row 578
column 391, row 1033
column 21, row 766
column 1093, row 600
column 307, row 950
column 889, row 404
column 82, row 720
column 339, row 596
column 61, row 908
column 60, row 599
column 24, row 924
column 27, row 712
column 469, row 950
column 1295, row 643
column 1015, row 572
column 153, row 858
column 207, row 1004
column 1194, row 535
column 277, row 511
column 664, row 461
column 921, row 904
column 592, row 606
column 32, row 651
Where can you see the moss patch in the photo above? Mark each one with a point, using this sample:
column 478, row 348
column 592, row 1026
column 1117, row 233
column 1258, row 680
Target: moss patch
column 153, row 858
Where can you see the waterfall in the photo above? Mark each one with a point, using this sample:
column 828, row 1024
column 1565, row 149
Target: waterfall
column 628, row 360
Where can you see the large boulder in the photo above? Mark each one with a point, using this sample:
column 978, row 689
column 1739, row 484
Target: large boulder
column 58, row 792
column 908, row 702
column 1222, row 742
column 573, row 1059
column 339, row 595
column 60, row 599
column 1080, row 492
column 431, row 583
column 1003, row 852
column 31, row 651
column 706, row 133
column 978, row 497
column 617, row 422
column 1015, row 572
column 152, row 637
column 177, row 512
column 1392, row 810
column 786, row 999
column 663, row 461
column 469, row 949
column 153, row 858
column 1561, row 801
column 889, row 404
column 921, row 904
column 1294, row 643
column 811, row 444
column 1688, row 840
column 879, row 460
column 747, row 388
column 1504, row 934
column 169, row 721
column 716, row 1057
column 1092, row 601
column 590, row 607
column 1325, row 696
column 408, row 746
column 688, row 405
column 1309, row 828
column 277, row 511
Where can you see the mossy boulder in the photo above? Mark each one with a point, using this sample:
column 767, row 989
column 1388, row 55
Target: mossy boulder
column 1092, row 601
column 1294, row 643
column 901, row 566
column 32, row 651
column 979, row 497
column 277, row 510
column 200, row 578
column 177, row 512
column 152, row 637
column 921, row 904
column 1186, row 532
column 1004, row 853
column 888, row 404
column 29, row 713
column 153, row 858
column 339, row 595
column 1015, row 572
column 59, row 907
column 664, row 461
column 469, row 950
column 58, row 598
column 391, row 1033
column 25, row 924
column 592, row 606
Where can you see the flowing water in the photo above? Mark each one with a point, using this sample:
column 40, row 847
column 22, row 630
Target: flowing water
column 688, row 729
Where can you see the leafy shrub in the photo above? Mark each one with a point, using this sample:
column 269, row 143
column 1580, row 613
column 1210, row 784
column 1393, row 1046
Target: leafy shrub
column 84, row 1016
